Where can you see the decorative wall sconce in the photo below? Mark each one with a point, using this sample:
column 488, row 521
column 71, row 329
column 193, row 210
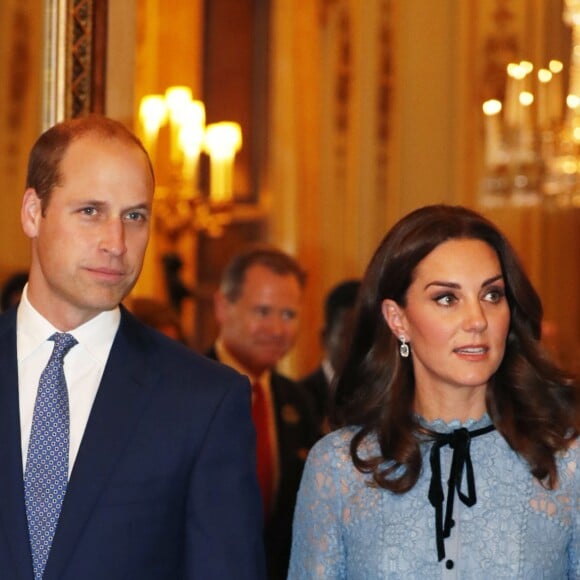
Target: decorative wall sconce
column 181, row 205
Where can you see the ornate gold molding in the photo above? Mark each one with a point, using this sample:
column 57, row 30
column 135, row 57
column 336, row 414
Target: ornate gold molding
column 74, row 62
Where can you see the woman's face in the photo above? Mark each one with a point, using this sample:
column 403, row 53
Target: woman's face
column 456, row 318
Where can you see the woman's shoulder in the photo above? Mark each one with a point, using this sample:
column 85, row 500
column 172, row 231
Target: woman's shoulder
column 569, row 460
column 336, row 445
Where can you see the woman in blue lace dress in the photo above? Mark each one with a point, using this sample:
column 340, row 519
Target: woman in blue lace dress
column 458, row 455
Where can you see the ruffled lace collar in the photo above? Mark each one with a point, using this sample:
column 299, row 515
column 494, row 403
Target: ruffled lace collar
column 441, row 426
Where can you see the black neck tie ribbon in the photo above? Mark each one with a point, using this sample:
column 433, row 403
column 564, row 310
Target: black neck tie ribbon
column 460, row 441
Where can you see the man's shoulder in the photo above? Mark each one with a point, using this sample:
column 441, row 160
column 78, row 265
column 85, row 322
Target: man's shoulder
column 8, row 319
column 315, row 378
column 287, row 390
column 282, row 382
column 171, row 356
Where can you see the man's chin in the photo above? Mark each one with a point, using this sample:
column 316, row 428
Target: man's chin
column 103, row 301
column 270, row 362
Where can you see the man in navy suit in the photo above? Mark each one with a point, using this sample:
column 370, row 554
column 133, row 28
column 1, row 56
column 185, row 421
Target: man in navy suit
column 162, row 482
column 258, row 311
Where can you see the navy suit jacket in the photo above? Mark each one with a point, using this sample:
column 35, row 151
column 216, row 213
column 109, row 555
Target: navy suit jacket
column 164, row 484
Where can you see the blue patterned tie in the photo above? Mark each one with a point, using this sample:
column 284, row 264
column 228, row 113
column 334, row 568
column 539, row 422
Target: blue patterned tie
column 46, row 475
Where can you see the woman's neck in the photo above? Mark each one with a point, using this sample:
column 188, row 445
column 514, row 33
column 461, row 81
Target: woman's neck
column 447, row 404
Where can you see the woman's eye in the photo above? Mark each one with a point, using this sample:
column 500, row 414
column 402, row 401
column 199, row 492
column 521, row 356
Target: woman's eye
column 495, row 295
column 445, row 299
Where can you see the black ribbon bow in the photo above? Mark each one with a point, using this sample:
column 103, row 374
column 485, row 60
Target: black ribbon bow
column 460, row 441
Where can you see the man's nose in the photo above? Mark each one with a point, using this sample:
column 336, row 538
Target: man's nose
column 113, row 237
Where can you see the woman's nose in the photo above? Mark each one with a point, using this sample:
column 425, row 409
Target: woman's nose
column 475, row 319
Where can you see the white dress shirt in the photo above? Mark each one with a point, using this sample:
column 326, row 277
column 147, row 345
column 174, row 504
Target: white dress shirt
column 83, row 367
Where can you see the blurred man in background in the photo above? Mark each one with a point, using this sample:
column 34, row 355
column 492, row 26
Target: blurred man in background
column 258, row 309
column 339, row 307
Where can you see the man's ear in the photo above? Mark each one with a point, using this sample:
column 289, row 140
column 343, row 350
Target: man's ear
column 30, row 213
column 394, row 317
column 220, row 303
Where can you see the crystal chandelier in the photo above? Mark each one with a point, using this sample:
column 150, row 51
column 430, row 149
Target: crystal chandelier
column 532, row 138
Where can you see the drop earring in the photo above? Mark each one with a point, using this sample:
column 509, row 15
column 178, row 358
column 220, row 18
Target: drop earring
column 404, row 348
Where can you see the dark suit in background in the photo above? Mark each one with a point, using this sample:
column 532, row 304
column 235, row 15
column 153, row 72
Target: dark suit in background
column 258, row 308
column 339, row 310
column 296, row 433
column 317, row 385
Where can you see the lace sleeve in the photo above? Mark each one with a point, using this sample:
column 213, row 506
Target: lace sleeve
column 317, row 550
column 562, row 505
column 572, row 471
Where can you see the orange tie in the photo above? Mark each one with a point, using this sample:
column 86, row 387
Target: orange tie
column 263, row 444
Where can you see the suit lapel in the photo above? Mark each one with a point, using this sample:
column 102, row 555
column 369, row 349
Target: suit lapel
column 123, row 393
column 12, row 510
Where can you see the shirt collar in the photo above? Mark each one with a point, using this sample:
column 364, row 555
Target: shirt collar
column 328, row 370
column 226, row 357
column 96, row 335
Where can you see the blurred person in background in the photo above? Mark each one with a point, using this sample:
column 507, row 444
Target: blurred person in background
column 257, row 308
column 339, row 310
column 159, row 315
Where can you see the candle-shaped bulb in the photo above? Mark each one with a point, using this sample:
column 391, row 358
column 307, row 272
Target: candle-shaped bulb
column 543, row 109
column 526, row 98
column 152, row 116
column 178, row 99
column 191, row 137
column 572, row 101
column 491, row 107
column 493, row 145
column 222, row 141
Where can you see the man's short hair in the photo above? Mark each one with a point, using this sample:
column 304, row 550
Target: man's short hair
column 50, row 148
column 341, row 297
column 273, row 259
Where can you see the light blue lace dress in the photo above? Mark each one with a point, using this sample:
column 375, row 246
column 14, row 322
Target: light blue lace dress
column 344, row 528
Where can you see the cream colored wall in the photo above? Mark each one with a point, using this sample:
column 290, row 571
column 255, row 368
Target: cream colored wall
column 21, row 33
column 334, row 222
column 331, row 213
column 332, row 217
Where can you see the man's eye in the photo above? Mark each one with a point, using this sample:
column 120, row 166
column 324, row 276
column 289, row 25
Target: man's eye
column 88, row 210
column 136, row 216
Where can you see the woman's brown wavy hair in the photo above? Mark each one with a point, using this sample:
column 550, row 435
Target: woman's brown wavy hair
column 533, row 404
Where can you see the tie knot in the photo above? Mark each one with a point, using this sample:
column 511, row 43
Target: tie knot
column 63, row 342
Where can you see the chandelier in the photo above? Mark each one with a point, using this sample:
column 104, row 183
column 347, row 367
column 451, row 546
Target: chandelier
column 175, row 134
column 532, row 138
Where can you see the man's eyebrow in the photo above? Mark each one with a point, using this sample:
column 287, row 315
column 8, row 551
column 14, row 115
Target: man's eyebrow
column 139, row 206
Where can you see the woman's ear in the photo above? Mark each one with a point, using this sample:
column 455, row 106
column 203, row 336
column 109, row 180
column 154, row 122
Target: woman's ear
column 394, row 317
column 31, row 212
